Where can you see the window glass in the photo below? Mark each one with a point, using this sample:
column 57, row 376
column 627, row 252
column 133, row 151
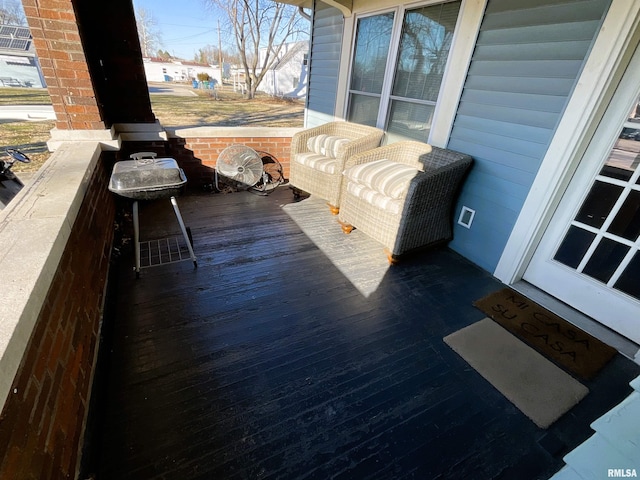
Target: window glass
column 628, row 281
column 574, row 246
column 363, row 109
column 410, row 120
column 598, row 204
column 424, row 49
column 372, row 49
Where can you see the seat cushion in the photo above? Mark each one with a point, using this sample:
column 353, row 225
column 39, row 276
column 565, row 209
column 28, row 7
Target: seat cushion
column 375, row 198
column 327, row 145
column 389, row 178
column 318, row 162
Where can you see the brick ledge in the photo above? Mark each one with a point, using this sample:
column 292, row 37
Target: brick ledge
column 34, row 230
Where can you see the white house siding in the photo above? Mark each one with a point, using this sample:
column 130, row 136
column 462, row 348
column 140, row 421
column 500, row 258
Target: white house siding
column 288, row 77
column 19, row 65
column 175, row 71
column 324, row 64
column 20, row 71
column 525, row 65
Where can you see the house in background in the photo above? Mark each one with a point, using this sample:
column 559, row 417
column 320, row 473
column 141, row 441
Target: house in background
column 288, row 75
column 543, row 95
column 161, row 70
column 19, row 65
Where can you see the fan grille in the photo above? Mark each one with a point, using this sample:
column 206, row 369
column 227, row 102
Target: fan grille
column 241, row 164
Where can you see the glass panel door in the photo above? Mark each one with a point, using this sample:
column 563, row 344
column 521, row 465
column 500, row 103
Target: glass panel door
column 588, row 257
column 603, row 240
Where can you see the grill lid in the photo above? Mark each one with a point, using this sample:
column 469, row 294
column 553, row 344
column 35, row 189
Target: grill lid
column 132, row 176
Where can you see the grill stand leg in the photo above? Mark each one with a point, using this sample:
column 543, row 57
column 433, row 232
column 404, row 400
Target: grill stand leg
column 136, row 236
column 184, row 230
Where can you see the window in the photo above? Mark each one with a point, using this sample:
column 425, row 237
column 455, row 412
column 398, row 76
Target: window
column 373, row 36
column 396, row 88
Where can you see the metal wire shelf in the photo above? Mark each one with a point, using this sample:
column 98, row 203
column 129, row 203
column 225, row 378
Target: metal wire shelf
column 163, row 251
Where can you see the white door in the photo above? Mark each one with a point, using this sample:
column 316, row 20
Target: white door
column 589, row 256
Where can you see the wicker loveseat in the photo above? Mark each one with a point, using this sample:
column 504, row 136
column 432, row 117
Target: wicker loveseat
column 318, row 157
column 402, row 194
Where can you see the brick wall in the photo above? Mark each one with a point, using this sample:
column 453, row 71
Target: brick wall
column 43, row 420
column 57, row 41
column 198, row 155
column 91, row 61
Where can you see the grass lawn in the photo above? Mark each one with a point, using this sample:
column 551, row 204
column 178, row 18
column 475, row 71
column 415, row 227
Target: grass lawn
column 228, row 109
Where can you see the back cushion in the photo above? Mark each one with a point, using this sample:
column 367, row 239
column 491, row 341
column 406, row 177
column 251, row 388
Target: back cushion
column 327, row 145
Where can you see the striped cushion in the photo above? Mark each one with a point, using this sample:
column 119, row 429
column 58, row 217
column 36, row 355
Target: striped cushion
column 327, row 145
column 316, row 144
column 318, row 162
column 384, row 176
column 375, row 198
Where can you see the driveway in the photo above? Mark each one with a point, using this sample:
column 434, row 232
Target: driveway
column 177, row 89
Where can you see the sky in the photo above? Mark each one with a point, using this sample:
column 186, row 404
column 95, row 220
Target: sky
column 185, row 26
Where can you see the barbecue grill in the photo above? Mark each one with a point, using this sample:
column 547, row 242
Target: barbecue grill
column 146, row 177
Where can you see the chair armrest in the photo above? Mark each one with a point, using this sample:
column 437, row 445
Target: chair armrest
column 436, row 188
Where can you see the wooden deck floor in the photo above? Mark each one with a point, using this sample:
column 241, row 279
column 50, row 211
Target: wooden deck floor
column 278, row 357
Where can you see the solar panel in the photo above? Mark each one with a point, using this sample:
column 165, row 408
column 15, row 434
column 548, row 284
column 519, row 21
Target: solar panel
column 7, row 30
column 19, row 44
column 22, row 33
column 15, row 38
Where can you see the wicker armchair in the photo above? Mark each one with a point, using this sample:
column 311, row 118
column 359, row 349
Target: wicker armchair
column 318, row 157
column 402, row 194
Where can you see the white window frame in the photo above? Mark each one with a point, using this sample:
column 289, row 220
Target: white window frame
column 389, row 67
column 462, row 46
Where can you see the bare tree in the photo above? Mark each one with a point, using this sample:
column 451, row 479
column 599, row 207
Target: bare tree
column 148, row 33
column 11, row 13
column 260, row 28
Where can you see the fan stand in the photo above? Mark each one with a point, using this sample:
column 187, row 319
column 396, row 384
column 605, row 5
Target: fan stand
column 269, row 178
column 229, row 185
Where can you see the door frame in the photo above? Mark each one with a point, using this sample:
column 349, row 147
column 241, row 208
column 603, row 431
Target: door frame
column 609, row 56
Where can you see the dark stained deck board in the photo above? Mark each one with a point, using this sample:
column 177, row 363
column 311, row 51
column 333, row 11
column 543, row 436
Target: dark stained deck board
column 266, row 362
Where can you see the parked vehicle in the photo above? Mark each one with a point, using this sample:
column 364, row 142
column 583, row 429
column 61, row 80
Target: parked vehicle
column 10, row 184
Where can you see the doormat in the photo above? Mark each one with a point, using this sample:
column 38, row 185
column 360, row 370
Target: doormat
column 537, row 387
column 571, row 348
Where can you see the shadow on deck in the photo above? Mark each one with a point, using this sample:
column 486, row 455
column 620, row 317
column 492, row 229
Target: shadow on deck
column 281, row 357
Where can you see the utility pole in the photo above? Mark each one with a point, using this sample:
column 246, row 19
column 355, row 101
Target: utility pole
column 220, row 53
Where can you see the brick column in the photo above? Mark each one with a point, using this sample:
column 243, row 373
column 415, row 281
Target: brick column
column 60, row 51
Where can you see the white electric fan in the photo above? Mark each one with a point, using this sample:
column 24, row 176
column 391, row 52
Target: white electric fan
column 241, row 165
